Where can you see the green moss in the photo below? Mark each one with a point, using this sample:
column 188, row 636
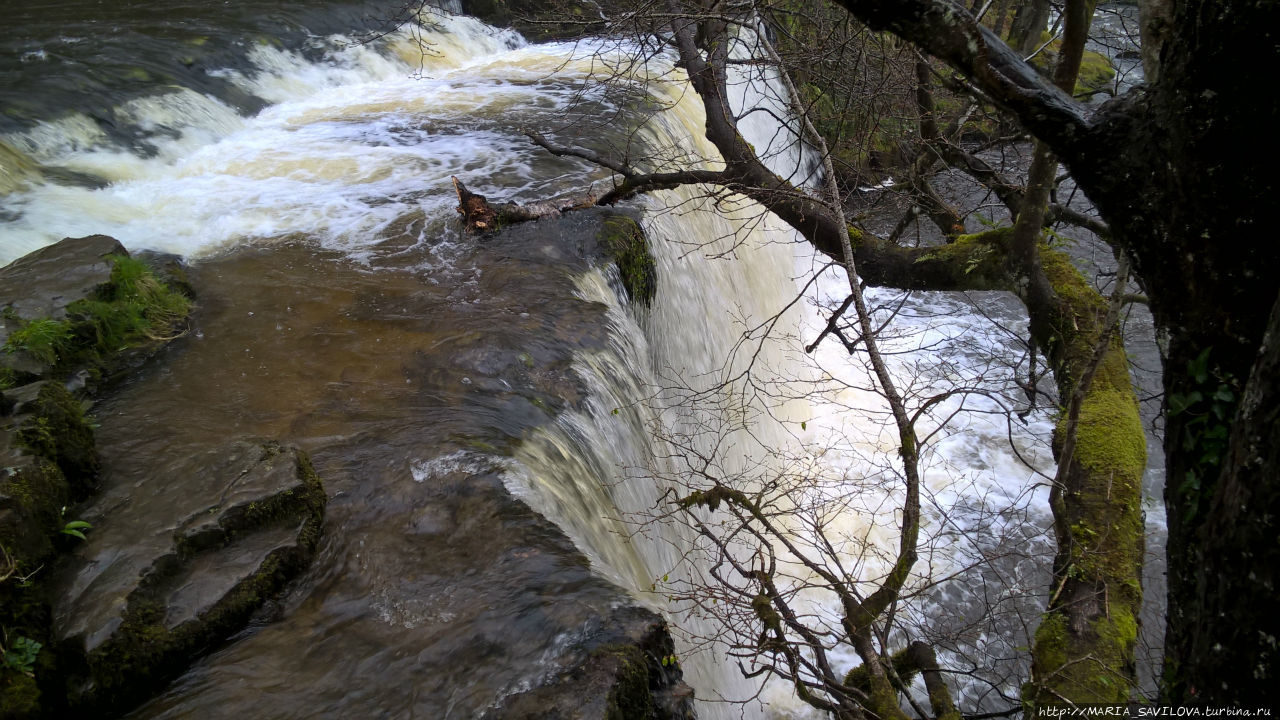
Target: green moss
column 134, row 308
column 980, row 255
column 1051, row 647
column 630, row 696
column 1096, row 72
column 860, row 677
column 1084, row 647
column 19, row 695
column 1069, row 283
column 59, row 431
column 626, row 243
column 37, row 493
column 1097, row 677
column 1109, row 437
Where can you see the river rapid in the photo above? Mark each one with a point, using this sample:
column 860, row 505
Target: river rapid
column 305, row 178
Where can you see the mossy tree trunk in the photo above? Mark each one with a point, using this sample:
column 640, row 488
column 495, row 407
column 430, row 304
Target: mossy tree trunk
column 1085, row 647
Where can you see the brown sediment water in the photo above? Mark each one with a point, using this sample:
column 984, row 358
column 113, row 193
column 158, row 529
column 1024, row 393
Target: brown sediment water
column 434, row 593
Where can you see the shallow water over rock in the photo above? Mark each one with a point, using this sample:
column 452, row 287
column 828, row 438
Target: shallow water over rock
column 433, row 590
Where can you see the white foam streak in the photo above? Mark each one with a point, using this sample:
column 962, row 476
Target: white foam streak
column 353, row 142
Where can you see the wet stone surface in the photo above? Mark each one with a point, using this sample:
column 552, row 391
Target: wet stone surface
column 407, row 376
column 42, row 284
column 201, row 539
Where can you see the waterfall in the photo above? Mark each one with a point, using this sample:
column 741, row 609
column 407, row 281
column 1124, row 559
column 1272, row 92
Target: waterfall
column 730, row 276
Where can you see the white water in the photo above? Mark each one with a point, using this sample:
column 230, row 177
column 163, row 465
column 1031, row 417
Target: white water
column 353, row 143
column 814, row 420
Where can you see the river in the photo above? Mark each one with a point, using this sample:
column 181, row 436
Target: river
column 305, row 178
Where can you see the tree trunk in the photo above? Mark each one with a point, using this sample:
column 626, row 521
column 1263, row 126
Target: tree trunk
column 1182, row 173
column 1028, row 24
column 1191, row 200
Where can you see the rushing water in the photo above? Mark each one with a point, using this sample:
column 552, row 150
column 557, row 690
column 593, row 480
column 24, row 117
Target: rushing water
column 308, row 180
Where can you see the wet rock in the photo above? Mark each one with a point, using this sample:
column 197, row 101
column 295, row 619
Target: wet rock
column 83, row 309
column 54, row 427
column 172, row 568
column 627, row 670
column 43, row 283
column 170, row 268
column 20, row 400
column 47, row 460
column 32, row 491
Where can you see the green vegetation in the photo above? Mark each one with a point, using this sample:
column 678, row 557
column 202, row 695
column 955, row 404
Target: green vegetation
column 625, row 241
column 860, row 677
column 1206, row 410
column 42, row 338
column 21, row 655
column 135, row 308
column 1096, row 72
column 1094, row 679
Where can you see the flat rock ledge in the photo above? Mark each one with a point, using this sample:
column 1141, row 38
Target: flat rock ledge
column 168, row 573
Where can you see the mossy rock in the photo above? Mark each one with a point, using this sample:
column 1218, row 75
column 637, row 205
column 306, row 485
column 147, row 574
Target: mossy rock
column 49, row 461
column 625, row 241
column 110, row 311
column 175, row 578
column 32, row 492
column 19, row 695
column 59, row 431
column 628, row 672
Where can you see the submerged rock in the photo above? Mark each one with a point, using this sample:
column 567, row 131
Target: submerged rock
column 171, row 568
column 628, row 670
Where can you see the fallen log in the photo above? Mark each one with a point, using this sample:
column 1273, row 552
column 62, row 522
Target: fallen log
column 478, row 216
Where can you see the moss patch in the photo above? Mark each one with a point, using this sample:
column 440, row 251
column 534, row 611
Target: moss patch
column 1092, row 677
column 860, row 677
column 1084, row 647
column 1106, row 441
column 1096, row 72
column 630, row 696
column 627, row 244
column 59, row 431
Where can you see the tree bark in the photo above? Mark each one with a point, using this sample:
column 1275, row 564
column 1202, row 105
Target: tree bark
column 1031, row 20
